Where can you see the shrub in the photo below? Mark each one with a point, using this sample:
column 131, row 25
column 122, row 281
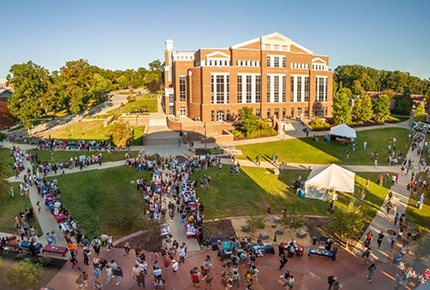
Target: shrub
column 19, row 256
column 44, row 261
column 392, row 120
column 293, row 221
column 236, row 133
column 255, row 223
column 23, row 274
column 319, row 125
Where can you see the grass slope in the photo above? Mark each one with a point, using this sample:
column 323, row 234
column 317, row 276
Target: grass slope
column 104, row 200
column 306, row 151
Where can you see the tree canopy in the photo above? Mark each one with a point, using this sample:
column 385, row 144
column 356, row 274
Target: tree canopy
column 420, row 113
column 381, row 108
column 341, row 108
column 120, row 133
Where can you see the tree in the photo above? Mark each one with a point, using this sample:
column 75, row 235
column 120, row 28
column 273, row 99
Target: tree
column 249, row 121
column 420, row 113
column 403, row 104
column 154, row 86
column 381, row 108
column 357, row 110
column 30, row 83
column 75, row 76
column 346, row 222
column 341, row 109
column 23, row 274
column 119, row 133
column 98, row 86
column 367, row 109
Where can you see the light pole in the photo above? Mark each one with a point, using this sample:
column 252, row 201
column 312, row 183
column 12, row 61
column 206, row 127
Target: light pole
column 205, row 138
column 283, row 130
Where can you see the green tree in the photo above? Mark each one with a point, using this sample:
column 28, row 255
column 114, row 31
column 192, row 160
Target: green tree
column 341, row 109
column 403, row 104
column 30, row 83
column 381, row 108
column 367, row 108
column 420, row 113
column 23, row 274
column 249, row 121
column 357, row 110
column 346, row 222
column 119, row 133
column 75, row 76
column 98, row 86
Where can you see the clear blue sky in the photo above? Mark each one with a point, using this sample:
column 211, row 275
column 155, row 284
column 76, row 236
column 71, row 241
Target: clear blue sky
column 391, row 35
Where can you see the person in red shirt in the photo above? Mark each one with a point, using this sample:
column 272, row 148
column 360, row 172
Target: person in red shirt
column 195, row 278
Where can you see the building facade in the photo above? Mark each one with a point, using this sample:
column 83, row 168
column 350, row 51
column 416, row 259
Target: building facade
column 273, row 75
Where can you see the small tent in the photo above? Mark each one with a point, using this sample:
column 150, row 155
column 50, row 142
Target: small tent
column 328, row 177
column 344, row 131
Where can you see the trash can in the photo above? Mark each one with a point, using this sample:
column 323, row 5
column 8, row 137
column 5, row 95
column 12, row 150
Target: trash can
column 314, row 241
column 397, row 259
column 181, row 134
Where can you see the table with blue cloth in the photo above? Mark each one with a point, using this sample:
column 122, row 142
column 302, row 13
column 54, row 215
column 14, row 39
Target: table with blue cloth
column 216, row 242
column 225, row 254
column 321, row 252
column 26, row 245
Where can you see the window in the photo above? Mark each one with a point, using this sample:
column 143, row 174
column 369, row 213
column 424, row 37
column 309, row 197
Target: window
column 239, row 89
column 276, row 47
column 183, row 112
column 171, row 98
column 284, row 61
column 220, row 115
column 299, row 89
column 276, row 89
column 321, row 89
column 276, row 61
column 182, row 89
column 268, row 113
column 249, row 89
column 220, row 89
column 306, row 89
column 284, row 113
column 292, row 112
column 269, row 85
column 276, row 113
column 292, row 89
column 299, row 112
column 268, row 60
column 284, row 82
column 307, row 112
column 228, row 115
column 258, row 113
column 212, row 116
column 258, row 89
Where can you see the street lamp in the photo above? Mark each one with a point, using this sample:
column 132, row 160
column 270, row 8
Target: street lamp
column 205, row 138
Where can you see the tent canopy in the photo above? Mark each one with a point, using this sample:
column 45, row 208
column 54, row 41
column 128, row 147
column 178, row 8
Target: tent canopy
column 328, row 177
column 343, row 130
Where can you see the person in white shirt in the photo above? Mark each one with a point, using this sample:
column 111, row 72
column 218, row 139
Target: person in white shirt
column 175, row 266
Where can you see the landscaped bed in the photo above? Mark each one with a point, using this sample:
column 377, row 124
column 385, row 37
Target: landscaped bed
column 305, row 150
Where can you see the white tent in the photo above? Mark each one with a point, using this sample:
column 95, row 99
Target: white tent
column 343, row 130
column 328, row 177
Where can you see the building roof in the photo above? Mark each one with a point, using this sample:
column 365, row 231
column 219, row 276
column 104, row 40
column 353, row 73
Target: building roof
column 4, row 90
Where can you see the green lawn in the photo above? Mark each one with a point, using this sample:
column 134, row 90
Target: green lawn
column 59, row 155
column 10, row 206
column 142, row 103
column 5, row 159
column 255, row 189
column 105, row 200
column 421, row 217
column 92, row 130
column 304, row 150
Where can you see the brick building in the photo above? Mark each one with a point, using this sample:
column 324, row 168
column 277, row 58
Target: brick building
column 272, row 74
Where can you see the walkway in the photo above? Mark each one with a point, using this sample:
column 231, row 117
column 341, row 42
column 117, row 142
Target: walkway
column 383, row 221
column 305, row 166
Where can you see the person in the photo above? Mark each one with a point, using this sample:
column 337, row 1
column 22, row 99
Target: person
column 366, row 256
column 331, row 280
column 118, row 274
column 337, row 285
column 285, row 277
column 182, row 253
column 393, row 239
column 334, row 250
column 80, row 282
column 396, row 219
column 85, row 278
column 141, row 279
column 109, row 273
column 74, row 262
column 269, row 214
column 283, row 261
column 331, row 207
column 195, row 279
column 208, row 279
column 127, row 249
column 175, row 266
column 380, row 238
column 370, row 271
column 135, row 271
column 291, row 282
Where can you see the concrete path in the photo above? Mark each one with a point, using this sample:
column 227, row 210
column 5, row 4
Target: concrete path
column 383, row 221
column 304, row 166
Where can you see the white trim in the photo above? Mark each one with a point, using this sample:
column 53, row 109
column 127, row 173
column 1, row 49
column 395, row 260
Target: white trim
column 217, row 52
column 317, row 58
column 302, row 47
column 252, row 74
column 245, row 43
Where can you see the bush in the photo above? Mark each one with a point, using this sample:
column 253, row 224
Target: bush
column 237, row 133
column 23, row 274
column 19, row 256
column 44, row 261
column 319, row 125
column 255, row 223
column 392, row 120
column 293, row 221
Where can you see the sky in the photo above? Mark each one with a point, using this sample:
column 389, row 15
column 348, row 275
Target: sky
column 390, row 35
